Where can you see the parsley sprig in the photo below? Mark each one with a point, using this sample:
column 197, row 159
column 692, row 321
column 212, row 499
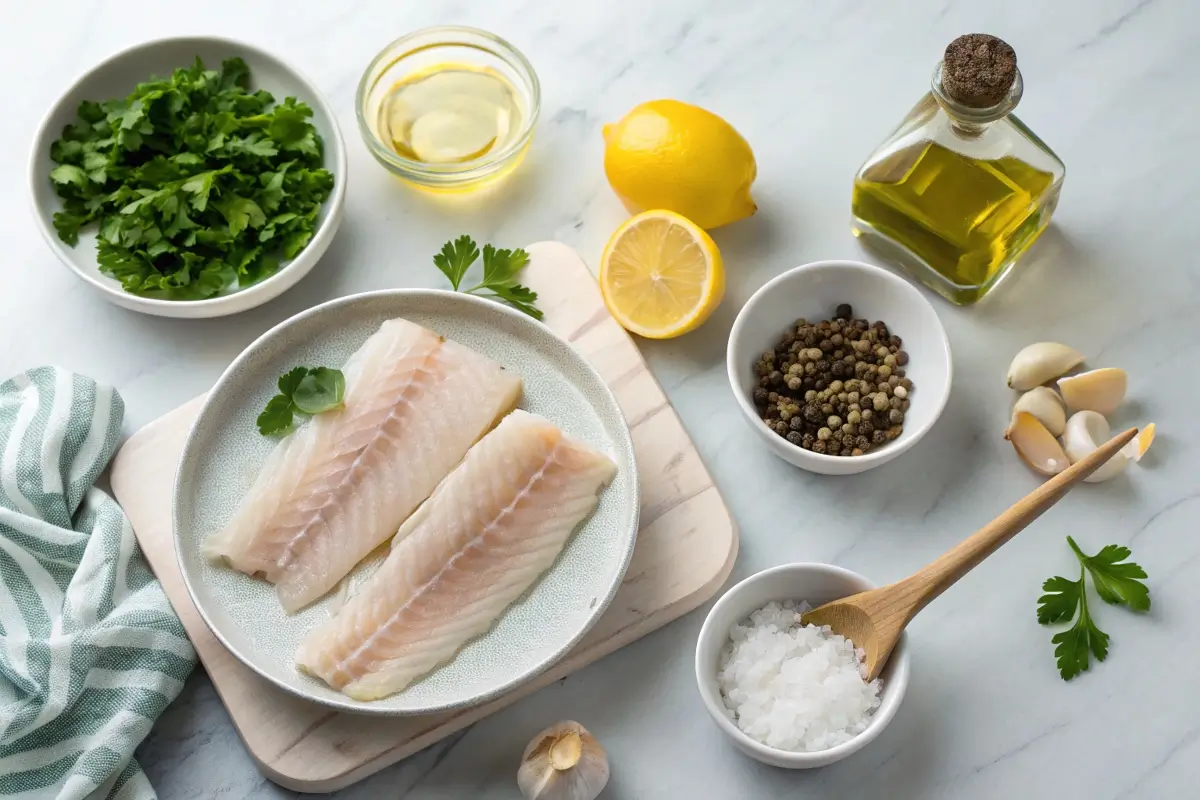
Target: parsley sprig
column 198, row 183
column 303, row 390
column 500, row 268
column 1117, row 582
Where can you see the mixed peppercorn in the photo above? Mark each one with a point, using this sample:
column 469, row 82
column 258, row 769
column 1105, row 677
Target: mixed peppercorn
column 836, row 387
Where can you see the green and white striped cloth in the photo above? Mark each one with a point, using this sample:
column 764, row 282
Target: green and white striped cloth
column 90, row 650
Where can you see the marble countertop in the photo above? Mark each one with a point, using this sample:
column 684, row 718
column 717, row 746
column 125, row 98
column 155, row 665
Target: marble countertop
column 1110, row 84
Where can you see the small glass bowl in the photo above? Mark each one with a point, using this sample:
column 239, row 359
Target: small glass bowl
column 440, row 45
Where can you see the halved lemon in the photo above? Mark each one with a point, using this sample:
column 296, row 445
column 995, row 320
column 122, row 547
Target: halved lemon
column 661, row 275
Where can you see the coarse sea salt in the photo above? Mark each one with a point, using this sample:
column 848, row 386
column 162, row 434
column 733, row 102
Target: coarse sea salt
column 791, row 686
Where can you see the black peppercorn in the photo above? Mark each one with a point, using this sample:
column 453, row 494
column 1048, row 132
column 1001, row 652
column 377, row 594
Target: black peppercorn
column 760, row 396
column 844, row 311
column 796, row 423
column 794, row 438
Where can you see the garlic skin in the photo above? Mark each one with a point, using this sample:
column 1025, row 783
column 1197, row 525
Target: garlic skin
column 1042, row 362
column 1035, row 445
column 1099, row 390
column 1045, row 404
column 563, row 762
column 1085, row 431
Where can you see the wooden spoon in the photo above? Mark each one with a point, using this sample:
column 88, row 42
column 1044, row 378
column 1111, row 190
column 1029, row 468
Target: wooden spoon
column 874, row 620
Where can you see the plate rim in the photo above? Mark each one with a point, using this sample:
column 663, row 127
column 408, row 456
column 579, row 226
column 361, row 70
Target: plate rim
column 252, row 296
column 346, row 704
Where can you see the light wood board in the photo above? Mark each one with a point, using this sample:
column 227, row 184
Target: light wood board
column 686, row 548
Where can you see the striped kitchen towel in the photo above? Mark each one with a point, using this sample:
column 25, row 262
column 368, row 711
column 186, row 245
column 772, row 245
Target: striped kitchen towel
column 90, row 650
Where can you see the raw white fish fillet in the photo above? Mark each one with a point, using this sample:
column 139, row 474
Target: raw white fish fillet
column 488, row 532
column 337, row 488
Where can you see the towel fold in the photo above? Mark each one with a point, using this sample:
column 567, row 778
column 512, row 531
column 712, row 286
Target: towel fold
column 90, row 650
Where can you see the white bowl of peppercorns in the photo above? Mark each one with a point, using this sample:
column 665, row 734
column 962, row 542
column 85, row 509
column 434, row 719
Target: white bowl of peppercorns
column 839, row 366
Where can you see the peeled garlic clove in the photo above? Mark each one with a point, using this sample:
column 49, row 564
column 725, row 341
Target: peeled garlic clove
column 1085, row 431
column 1041, row 362
column 1100, row 390
column 563, row 762
column 1140, row 444
column 1035, row 445
column 1045, row 404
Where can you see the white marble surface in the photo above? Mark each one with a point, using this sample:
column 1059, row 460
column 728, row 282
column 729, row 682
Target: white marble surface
column 1110, row 84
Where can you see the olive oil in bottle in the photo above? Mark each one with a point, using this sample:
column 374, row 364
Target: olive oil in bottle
column 451, row 114
column 962, row 188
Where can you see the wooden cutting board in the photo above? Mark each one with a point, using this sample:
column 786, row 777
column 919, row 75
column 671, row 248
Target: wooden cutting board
column 686, row 548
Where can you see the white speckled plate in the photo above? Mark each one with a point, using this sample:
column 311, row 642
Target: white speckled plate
column 224, row 452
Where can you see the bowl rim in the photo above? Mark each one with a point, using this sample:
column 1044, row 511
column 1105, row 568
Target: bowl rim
column 875, row 457
column 632, row 517
column 450, row 174
column 326, row 229
column 892, row 694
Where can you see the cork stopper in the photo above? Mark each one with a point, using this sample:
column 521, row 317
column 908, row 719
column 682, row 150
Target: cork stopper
column 978, row 70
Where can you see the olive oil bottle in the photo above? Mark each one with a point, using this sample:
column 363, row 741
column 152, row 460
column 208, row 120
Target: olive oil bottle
column 962, row 188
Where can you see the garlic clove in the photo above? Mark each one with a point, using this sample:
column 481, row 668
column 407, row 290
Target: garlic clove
column 563, row 762
column 1045, row 404
column 1035, row 445
column 1042, row 362
column 1099, row 390
column 1141, row 443
column 1085, row 431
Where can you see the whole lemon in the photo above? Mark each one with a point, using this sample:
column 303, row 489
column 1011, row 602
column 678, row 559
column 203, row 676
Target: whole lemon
column 676, row 156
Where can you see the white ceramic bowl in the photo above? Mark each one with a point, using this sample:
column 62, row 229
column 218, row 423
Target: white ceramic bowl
column 816, row 583
column 812, row 292
column 116, row 76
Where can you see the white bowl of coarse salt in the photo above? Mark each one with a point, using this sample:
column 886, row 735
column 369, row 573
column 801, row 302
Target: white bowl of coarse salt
column 791, row 695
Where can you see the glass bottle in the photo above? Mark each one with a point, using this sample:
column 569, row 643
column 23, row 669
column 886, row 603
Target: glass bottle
column 961, row 188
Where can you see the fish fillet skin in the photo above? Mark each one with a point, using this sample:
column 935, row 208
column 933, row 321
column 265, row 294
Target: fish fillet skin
column 489, row 531
column 337, row 487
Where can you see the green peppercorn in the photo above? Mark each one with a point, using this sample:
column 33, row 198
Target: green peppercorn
column 889, row 360
column 810, row 395
column 785, row 415
column 834, row 422
column 793, row 383
column 885, row 371
column 854, row 417
column 824, row 434
column 880, row 402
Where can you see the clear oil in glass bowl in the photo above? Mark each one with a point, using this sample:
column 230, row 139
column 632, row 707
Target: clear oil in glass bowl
column 451, row 114
column 449, row 109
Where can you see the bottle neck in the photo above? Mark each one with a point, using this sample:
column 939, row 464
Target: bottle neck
column 968, row 121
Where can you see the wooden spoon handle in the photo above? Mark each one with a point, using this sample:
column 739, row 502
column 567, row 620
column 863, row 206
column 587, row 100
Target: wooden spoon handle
column 940, row 575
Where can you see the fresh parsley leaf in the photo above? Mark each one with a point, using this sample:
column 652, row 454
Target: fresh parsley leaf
column 1116, row 581
column 322, row 389
column 277, row 416
column 302, row 390
column 1060, row 601
column 456, row 258
column 500, row 268
column 198, row 184
column 290, row 381
column 1076, row 643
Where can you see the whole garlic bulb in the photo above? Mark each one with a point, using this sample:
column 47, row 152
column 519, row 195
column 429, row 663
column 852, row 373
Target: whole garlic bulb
column 563, row 762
